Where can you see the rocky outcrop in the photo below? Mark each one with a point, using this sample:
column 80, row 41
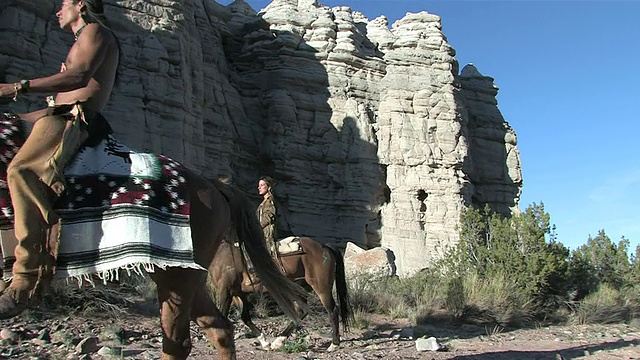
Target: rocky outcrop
column 495, row 169
column 364, row 265
column 372, row 133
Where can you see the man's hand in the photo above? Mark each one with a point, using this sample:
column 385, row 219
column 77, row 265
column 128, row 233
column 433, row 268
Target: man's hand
column 7, row 90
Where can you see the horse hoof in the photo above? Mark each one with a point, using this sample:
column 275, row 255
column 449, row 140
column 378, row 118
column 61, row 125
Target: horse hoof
column 278, row 342
column 332, row 347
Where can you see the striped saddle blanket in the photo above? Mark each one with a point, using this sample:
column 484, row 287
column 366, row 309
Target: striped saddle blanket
column 121, row 210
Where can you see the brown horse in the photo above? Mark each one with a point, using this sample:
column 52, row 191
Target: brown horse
column 182, row 293
column 317, row 267
column 217, row 210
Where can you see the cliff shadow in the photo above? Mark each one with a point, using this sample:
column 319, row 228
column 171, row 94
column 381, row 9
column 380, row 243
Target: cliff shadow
column 221, row 90
column 307, row 129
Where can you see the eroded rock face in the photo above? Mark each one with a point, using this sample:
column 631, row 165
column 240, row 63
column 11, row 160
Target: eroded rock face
column 370, row 131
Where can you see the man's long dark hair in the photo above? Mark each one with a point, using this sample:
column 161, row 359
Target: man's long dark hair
column 93, row 12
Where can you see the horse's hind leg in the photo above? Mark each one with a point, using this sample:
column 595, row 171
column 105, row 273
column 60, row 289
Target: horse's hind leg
column 326, row 298
column 176, row 289
column 216, row 327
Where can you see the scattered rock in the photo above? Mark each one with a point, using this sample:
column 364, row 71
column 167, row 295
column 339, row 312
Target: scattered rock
column 110, row 351
column 44, row 335
column 87, row 345
column 427, row 344
column 9, row 336
column 375, row 262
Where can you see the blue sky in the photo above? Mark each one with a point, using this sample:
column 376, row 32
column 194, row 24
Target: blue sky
column 568, row 85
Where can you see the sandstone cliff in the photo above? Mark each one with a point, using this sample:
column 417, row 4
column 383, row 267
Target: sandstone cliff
column 373, row 134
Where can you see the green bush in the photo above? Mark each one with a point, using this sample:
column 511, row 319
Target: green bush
column 296, row 346
column 600, row 261
column 521, row 248
column 511, row 271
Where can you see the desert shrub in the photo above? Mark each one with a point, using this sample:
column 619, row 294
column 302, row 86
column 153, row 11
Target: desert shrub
column 363, row 291
column 88, row 300
column 601, row 261
column 141, row 285
column 495, row 300
column 521, row 248
column 403, row 297
column 606, row 305
column 263, row 305
column 631, row 297
column 95, row 297
column 456, row 296
column 430, row 285
column 469, row 297
column 511, row 271
column 360, row 319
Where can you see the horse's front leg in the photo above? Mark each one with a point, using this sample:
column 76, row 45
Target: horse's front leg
column 242, row 302
column 176, row 288
column 217, row 328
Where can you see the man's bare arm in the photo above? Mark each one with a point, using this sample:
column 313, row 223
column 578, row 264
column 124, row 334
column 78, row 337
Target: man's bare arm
column 83, row 60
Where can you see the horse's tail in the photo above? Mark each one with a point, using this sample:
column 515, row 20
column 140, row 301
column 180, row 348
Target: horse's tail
column 344, row 303
column 246, row 227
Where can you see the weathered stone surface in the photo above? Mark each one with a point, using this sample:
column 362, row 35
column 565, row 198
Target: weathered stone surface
column 496, row 182
column 371, row 132
column 352, row 249
column 378, row 261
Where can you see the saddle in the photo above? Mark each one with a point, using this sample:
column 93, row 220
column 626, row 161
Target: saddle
column 290, row 246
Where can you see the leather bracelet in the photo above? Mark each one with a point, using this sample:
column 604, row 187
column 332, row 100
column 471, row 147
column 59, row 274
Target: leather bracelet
column 24, row 86
column 21, row 87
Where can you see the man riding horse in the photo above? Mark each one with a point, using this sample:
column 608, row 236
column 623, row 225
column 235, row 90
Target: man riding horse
column 35, row 176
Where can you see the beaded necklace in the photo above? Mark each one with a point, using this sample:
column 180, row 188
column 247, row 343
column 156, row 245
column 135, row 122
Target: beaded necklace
column 77, row 33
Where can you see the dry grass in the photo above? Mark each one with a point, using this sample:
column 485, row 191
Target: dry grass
column 360, row 320
column 99, row 299
column 88, row 300
column 605, row 306
column 494, row 302
column 497, row 300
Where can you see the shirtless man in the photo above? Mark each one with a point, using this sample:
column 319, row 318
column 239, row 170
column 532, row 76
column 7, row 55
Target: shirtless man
column 35, row 175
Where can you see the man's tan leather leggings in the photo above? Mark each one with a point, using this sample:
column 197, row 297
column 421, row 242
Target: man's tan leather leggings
column 35, row 179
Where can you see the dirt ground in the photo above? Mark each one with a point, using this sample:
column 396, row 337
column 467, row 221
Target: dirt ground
column 136, row 335
column 384, row 339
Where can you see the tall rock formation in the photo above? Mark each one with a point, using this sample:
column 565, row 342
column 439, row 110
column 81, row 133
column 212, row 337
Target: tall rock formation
column 371, row 132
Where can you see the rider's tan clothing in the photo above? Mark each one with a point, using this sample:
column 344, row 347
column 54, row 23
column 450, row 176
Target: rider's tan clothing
column 35, row 179
column 267, row 217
